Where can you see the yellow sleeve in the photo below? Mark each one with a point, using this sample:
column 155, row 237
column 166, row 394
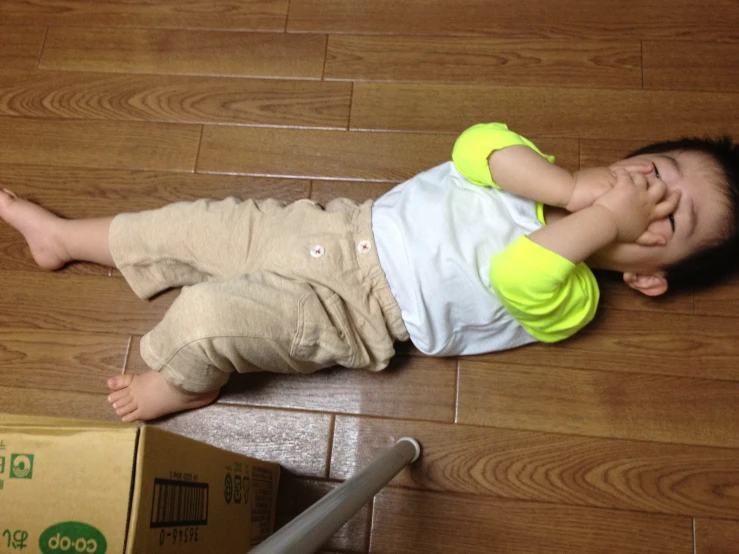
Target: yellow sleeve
column 549, row 295
column 474, row 146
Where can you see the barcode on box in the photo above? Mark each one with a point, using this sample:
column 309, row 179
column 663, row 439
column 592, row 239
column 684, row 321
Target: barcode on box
column 179, row 503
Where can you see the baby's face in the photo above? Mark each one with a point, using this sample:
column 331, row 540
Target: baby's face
column 697, row 221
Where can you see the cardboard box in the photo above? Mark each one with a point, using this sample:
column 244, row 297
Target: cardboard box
column 69, row 486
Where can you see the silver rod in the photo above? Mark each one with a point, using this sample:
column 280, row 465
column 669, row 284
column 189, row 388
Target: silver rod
column 310, row 530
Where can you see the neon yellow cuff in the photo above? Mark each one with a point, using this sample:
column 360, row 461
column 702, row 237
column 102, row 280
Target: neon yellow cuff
column 549, row 295
column 474, row 146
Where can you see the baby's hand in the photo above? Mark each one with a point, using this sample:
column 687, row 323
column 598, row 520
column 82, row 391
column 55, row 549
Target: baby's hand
column 589, row 185
column 592, row 183
column 635, row 202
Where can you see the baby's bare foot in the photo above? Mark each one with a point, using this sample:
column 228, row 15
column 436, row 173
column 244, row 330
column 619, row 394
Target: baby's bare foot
column 149, row 396
column 39, row 227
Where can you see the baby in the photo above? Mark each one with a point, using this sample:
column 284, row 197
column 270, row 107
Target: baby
column 489, row 251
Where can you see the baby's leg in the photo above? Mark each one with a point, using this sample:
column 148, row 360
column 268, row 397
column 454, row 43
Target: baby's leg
column 251, row 323
column 55, row 241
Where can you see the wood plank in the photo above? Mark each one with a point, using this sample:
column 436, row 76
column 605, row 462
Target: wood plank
column 91, row 192
column 411, row 388
column 721, row 300
column 545, row 467
column 223, row 14
column 614, row 294
column 677, row 65
column 654, row 343
column 538, row 111
column 582, row 63
column 416, row 522
column 56, row 403
column 189, row 52
column 599, row 403
column 298, row 441
column 84, row 303
column 714, row 536
column 83, row 192
column 604, row 152
column 681, row 19
column 183, row 99
column 131, row 145
column 390, row 157
column 58, row 360
column 359, row 191
column 295, row 495
column 20, row 46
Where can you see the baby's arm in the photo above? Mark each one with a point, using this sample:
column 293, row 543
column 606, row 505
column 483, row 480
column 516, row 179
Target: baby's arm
column 489, row 154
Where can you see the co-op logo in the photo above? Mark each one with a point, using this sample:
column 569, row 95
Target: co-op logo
column 72, row 536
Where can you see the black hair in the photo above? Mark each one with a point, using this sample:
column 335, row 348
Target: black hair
column 716, row 260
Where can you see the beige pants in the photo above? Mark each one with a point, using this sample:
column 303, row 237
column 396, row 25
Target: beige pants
column 286, row 288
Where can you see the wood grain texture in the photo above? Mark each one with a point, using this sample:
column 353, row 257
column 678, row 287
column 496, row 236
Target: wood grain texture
column 105, row 144
column 20, row 46
column 297, row 441
column 714, row 536
column 184, row 52
column 38, row 300
column 599, row 403
column 296, row 495
column 183, row 99
column 604, row 152
column 559, row 18
column 58, row 403
column 649, row 342
column 411, row 387
column 359, row 191
column 545, row 467
column 484, row 60
column 390, row 157
column 554, row 112
column 223, row 14
column 403, row 521
column 677, row 65
column 321, row 154
column 90, row 192
column 614, row 293
column 721, row 300
column 62, row 361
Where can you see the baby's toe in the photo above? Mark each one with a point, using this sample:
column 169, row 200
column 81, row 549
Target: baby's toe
column 127, row 409
column 131, row 417
column 123, row 401
column 120, row 382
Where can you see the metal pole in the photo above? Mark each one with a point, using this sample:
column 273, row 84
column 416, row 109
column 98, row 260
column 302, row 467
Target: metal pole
column 310, row 530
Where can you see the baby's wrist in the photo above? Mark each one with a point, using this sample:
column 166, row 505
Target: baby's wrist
column 606, row 219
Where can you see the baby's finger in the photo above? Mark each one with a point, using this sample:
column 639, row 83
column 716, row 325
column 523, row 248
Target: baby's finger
column 648, row 238
column 667, row 206
column 639, row 179
column 623, row 177
column 657, row 190
column 638, row 166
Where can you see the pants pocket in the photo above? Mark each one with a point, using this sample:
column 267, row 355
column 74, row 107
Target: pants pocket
column 324, row 336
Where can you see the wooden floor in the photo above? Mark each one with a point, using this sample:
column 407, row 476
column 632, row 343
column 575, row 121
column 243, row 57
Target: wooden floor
column 624, row 439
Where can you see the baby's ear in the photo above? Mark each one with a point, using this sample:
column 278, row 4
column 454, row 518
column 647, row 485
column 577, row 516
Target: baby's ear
column 651, row 284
